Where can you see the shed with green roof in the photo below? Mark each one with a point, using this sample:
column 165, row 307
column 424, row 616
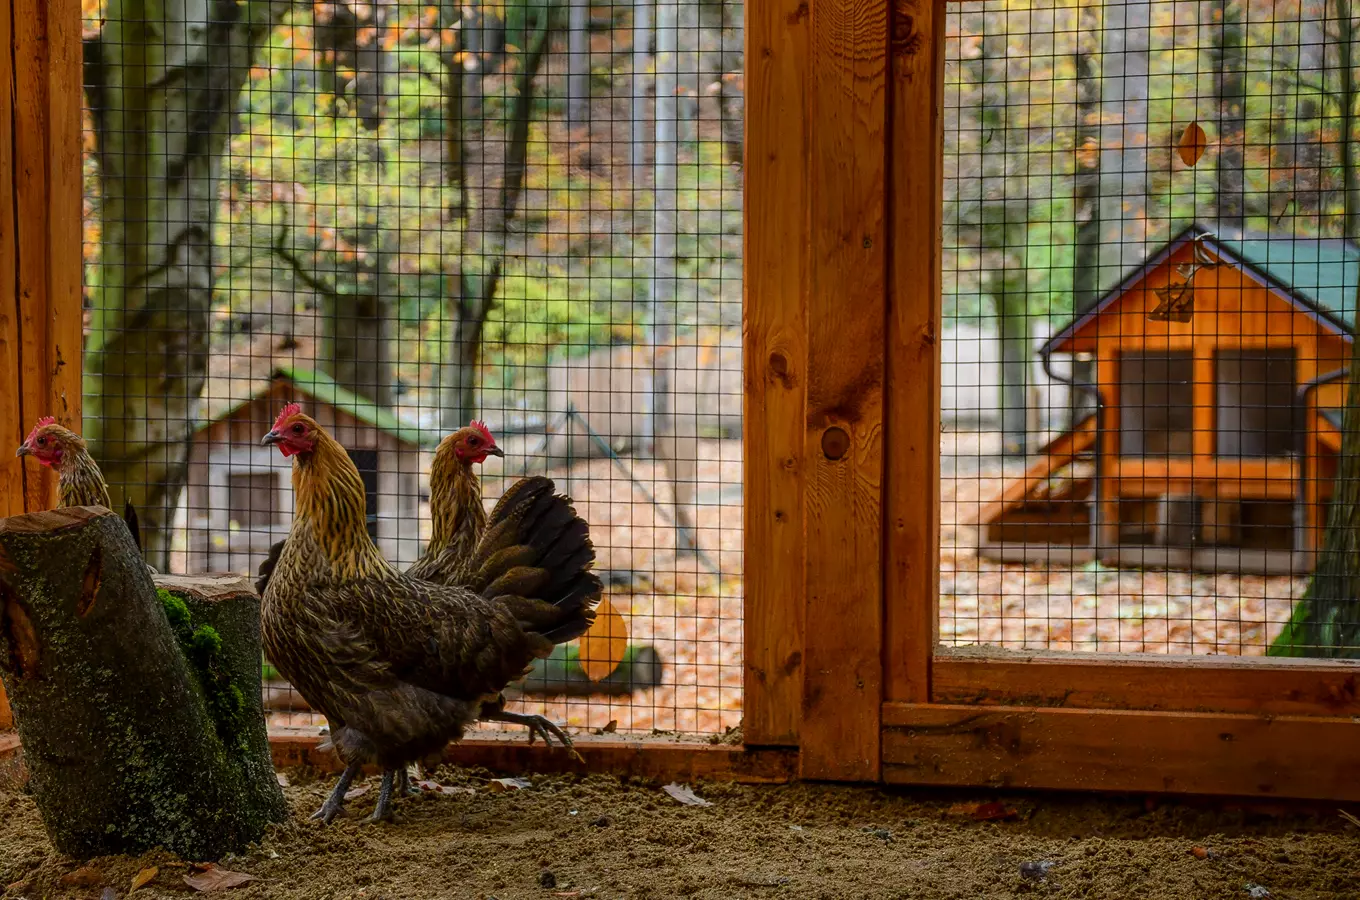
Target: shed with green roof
column 1218, row 372
column 239, row 498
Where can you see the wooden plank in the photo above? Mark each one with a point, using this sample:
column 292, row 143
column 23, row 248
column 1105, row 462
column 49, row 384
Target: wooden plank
column 1108, row 750
column 843, row 450
column 1059, row 453
column 775, row 348
column 1140, row 681
column 912, row 402
column 65, row 187
column 669, row 760
column 11, row 407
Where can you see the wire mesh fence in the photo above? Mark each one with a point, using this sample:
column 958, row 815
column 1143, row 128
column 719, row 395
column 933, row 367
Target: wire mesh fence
column 405, row 217
column 1150, row 283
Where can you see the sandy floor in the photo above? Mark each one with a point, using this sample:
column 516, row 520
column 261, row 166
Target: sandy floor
column 599, row 838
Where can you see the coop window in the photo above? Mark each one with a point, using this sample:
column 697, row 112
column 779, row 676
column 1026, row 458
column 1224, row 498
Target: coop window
column 1254, row 400
column 253, row 498
column 1156, row 414
column 367, row 463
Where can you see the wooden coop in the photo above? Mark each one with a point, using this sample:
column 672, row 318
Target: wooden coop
column 845, row 679
column 241, row 493
column 1219, row 377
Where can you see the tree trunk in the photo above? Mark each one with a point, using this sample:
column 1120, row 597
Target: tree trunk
column 1350, row 172
column 1227, row 60
column 1307, row 123
column 731, row 85
column 1086, row 196
column 162, row 80
column 1124, row 137
column 642, row 52
column 373, row 65
column 171, row 750
column 578, row 63
column 485, row 239
column 1013, row 330
column 356, row 344
column 674, row 437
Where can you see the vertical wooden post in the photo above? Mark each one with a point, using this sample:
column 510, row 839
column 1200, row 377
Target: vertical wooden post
column 912, row 484
column 40, row 252
column 843, row 449
column 776, row 239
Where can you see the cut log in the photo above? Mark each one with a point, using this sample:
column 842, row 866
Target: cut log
column 139, row 710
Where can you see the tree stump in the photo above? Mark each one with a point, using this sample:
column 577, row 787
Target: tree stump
column 138, row 709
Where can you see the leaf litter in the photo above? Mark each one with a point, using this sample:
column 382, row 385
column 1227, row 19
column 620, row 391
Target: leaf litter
column 685, row 795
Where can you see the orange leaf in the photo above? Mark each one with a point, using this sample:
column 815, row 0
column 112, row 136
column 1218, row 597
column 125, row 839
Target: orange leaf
column 143, row 878
column 603, row 646
column 1192, row 143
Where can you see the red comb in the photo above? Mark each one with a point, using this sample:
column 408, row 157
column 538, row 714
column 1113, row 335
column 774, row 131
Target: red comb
column 43, row 422
column 292, row 409
column 481, row 426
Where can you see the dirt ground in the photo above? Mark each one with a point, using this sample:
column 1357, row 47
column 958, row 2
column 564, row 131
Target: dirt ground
column 599, row 837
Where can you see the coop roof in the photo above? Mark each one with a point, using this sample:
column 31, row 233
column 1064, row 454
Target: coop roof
column 321, row 387
column 1319, row 276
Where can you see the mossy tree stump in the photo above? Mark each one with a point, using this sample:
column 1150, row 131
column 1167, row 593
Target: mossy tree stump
column 138, row 709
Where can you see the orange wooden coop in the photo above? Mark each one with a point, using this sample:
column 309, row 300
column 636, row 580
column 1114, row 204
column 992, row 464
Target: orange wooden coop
column 1220, row 370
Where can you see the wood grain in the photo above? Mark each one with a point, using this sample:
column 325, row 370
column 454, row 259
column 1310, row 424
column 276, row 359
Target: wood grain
column 11, row 407
column 1107, row 750
column 912, row 477
column 294, row 748
column 843, row 445
column 775, row 350
column 1140, row 681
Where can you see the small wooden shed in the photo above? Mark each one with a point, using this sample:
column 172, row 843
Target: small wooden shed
column 240, row 494
column 1220, row 374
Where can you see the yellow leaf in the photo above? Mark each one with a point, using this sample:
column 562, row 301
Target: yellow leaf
column 603, row 646
column 1192, row 144
column 142, row 878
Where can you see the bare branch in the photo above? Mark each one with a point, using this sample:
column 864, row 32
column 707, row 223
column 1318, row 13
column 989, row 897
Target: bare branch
column 283, row 253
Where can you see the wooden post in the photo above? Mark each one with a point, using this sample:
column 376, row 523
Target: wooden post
column 912, row 480
column 776, row 237
column 843, row 449
column 40, row 252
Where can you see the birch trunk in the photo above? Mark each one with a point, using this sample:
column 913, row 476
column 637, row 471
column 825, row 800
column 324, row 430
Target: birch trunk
column 163, row 80
column 674, row 436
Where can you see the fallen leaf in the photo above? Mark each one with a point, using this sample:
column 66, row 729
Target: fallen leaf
column 142, row 878
column 281, row 778
column 1256, row 891
column 17, row 887
column 683, row 794
column 82, row 877
column 995, row 811
column 1201, row 853
column 1192, row 144
column 356, row 792
column 435, row 787
column 215, row 879
column 496, row 785
column 1036, row 871
column 612, row 727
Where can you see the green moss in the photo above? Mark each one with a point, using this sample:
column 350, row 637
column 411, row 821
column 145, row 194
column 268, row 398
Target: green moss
column 178, row 614
column 202, row 647
column 206, row 642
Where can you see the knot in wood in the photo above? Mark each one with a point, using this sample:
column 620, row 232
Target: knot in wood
column 835, row 442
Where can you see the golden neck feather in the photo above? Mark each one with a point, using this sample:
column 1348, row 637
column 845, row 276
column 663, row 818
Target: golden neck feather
column 331, row 503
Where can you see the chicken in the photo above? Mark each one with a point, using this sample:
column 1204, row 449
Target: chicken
column 79, row 481
column 399, row 667
column 459, row 523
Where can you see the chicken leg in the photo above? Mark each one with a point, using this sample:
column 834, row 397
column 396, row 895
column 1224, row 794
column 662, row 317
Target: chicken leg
column 335, row 803
column 384, row 808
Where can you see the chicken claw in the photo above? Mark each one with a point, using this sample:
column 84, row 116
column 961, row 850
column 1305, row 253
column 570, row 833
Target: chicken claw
column 335, row 803
column 404, row 785
column 537, row 725
column 383, row 810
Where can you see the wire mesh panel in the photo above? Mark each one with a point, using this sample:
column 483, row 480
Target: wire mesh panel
column 1150, row 293
column 405, row 217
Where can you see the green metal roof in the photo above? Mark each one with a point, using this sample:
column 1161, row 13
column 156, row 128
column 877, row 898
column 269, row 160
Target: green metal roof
column 1324, row 272
column 320, row 386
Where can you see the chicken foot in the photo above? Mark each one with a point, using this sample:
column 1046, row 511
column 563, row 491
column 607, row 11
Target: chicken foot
column 335, row 803
column 384, row 808
column 404, row 785
column 537, row 725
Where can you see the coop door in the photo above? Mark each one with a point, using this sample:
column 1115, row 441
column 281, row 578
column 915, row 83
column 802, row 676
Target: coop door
column 1254, row 402
column 367, row 463
column 1156, row 415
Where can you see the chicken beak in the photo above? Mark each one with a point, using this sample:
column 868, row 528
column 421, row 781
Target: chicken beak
column 270, row 439
column 493, row 450
column 23, row 450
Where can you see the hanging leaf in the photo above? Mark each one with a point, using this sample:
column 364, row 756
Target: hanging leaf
column 604, row 645
column 1192, row 144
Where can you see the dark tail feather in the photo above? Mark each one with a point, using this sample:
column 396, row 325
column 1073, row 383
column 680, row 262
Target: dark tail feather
column 267, row 567
column 130, row 517
column 536, row 555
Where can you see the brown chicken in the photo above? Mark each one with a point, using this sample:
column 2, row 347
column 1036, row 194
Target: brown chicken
column 79, row 481
column 459, row 524
column 399, row 666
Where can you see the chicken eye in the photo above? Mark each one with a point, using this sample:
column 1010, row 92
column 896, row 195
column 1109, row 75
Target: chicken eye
column 472, row 441
column 297, row 429
column 42, row 441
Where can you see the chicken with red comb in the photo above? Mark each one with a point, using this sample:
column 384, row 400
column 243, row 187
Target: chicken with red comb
column 400, row 666
column 79, row 480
